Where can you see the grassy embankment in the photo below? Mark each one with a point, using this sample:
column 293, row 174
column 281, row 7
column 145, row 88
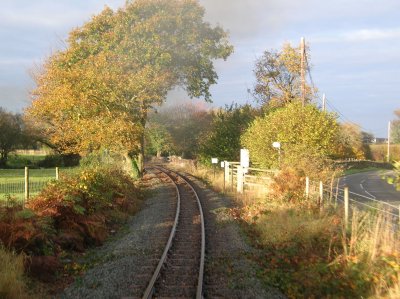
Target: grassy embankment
column 306, row 251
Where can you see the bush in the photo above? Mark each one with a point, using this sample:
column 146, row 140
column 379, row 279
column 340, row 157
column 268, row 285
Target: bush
column 288, row 185
column 82, row 205
column 69, row 215
column 307, row 137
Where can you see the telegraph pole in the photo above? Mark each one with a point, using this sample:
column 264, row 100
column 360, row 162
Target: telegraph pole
column 388, row 144
column 303, row 70
column 323, row 103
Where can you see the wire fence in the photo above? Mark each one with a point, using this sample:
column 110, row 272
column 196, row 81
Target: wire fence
column 13, row 187
column 324, row 193
column 349, row 201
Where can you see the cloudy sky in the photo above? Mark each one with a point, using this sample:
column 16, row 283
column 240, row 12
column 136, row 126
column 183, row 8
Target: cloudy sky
column 355, row 48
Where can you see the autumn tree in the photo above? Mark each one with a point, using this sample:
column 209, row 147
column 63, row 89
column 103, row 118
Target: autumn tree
column 351, row 142
column 278, row 77
column 97, row 93
column 307, row 136
column 222, row 139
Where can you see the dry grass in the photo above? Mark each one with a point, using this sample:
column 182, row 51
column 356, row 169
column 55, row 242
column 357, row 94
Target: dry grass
column 373, row 241
column 284, row 224
column 361, row 260
column 12, row 280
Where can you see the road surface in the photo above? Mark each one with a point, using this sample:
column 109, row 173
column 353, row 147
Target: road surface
column 370, row 184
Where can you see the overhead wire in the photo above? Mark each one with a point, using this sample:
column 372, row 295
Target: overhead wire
column 340, row 114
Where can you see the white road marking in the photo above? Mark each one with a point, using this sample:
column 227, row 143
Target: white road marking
column 362, row 187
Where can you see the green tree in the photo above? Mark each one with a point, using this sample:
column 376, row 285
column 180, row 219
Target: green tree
column 223, row 138
column 278, row 80
column 307, row 135
column 97, row 93
column 11, row 134
column 395, row 127
column 159, row 140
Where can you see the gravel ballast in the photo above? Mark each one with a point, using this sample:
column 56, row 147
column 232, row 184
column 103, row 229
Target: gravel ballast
column 124, row 265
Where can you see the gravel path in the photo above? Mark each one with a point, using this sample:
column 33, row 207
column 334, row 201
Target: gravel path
column 124, row 266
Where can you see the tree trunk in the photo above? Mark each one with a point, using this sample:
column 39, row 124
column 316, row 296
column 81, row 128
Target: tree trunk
column 158, row 154
column 3, row 158
column 140, row 158
column 128, row 166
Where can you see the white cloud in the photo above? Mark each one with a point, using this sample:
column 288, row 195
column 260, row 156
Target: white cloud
column 358, row 35
column 371, row 34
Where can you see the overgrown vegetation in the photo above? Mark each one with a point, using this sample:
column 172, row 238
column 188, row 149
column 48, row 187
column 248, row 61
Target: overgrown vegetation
column 68, row 216
column 306, row 251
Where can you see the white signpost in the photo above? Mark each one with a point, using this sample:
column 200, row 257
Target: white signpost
column 244, row 159
column 277, row 145
column 242, row 169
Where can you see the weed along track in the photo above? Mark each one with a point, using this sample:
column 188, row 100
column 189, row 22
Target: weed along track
column 179, row 273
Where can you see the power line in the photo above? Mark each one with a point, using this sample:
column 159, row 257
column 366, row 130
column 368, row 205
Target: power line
column 328, row 103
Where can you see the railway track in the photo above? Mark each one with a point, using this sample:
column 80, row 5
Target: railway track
column 180, row 271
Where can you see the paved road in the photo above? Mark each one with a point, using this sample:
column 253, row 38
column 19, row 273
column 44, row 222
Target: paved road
column 370, row 184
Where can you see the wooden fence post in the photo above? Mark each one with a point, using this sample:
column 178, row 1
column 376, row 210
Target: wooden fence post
column 307, row 187
column 57, row 173
column 346, row 206
column 26, row 184
column 239, row 178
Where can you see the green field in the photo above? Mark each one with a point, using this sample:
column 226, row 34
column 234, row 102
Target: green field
column 12, row 181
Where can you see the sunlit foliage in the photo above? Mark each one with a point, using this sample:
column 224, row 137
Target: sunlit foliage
column 278, row 80
column 97, row 92
column 307, row 136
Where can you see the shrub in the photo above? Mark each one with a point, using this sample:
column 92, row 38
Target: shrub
column 288, row 185
column 307, row 137
column 82, row 205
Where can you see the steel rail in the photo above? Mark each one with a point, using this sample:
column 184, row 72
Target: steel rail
column 199, row 292
column 150, row 287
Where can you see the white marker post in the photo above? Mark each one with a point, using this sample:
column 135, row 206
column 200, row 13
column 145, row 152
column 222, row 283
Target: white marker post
column 277, row 145
column 243, row 169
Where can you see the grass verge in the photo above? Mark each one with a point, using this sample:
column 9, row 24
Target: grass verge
column 306, row 251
